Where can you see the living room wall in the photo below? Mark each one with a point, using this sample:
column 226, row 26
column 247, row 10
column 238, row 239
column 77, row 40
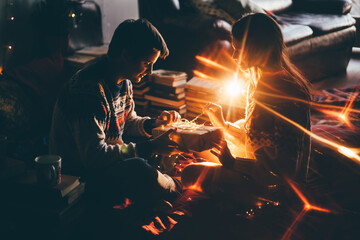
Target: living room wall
column 114, row 12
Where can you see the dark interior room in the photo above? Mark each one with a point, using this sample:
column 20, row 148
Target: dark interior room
column 179, row 119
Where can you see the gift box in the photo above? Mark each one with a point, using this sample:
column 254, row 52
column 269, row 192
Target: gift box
column 191, row 137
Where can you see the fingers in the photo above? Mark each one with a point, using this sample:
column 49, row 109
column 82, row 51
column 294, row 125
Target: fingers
column 212, row 107
column 175, row 116
column 216, row 154
column 167, row 117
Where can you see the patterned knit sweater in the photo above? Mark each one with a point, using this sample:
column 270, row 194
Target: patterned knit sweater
column 90, row 118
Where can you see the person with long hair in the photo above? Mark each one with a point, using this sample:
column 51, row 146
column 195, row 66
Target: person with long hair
column 277, row 108
column 271, row 136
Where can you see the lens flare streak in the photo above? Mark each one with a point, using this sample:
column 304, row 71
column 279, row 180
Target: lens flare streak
column 209, row 62
column 351, row 154
column 307, row 207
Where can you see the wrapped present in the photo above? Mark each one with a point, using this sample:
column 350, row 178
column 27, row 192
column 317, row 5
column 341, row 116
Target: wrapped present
column 190, row 136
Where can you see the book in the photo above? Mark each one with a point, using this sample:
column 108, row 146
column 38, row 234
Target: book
column 170, row 96
column 173, row 103
column 168, row 78
column 141, row 91
column 177, row 83
column 94, row 50
column 200, row 84
column 192, row 137
column 26, row 187
column 168, row 75
column 168, row 89
column 201, row 95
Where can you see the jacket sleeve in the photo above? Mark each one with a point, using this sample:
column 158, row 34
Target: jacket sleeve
column 134, row 125
column 88, row 122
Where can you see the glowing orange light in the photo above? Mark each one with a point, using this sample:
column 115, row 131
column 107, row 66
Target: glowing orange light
column 340, row 148
column 12, row 18
column 341, row 116
column 126, row 203
column 204, row 76
column 156, row 230
column 307, row 207
column 197, row 185
column 212, row 63
column 9, row 47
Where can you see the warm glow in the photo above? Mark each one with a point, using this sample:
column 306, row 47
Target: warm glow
column 209, row 62
column 342, row 149
column 73, row 15
column 204, row 76
column 307, row 207
column 233, row 88
column 9, row 47
column 12, row 18
column 347, row 152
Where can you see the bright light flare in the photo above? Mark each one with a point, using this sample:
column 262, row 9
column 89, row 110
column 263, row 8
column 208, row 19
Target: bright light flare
column 234, row 89
column 209, row 62
column 204, row 76
column 341, row 116
column 340, row 148
column 307, row 207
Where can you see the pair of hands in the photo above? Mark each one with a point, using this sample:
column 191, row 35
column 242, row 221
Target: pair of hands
column 163, row 143
column 220, row 149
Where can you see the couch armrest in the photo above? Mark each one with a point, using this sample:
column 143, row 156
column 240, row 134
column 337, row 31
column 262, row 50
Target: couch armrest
column 200, row 24
column 323, row 6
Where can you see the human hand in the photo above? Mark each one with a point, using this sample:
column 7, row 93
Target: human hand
column 164, row 143
column 167, row 117
column 222, row 151
column 214, row 111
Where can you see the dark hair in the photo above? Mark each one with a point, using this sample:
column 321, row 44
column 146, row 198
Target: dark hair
column 140, row 37
column 263, row 45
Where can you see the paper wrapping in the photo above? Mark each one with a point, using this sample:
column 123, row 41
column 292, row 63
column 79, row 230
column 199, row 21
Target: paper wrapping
column 198, row 139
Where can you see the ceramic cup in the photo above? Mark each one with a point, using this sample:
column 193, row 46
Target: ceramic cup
column 48, row 169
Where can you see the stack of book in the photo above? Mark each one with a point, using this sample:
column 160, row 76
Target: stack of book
column 201, row 91
column 167, row 91
column 25, row 190
column 139, row 91
column 198, row 93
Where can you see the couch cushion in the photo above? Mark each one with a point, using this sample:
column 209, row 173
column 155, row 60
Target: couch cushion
column 319, row 23
column 323, row 6
column 273, row 5
column 325, row 43
column 294, row 33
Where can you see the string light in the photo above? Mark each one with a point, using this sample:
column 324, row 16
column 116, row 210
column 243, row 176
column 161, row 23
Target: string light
column 9, row 47
column 12, row 18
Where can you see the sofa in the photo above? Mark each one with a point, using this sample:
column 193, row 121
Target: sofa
column 319, row 34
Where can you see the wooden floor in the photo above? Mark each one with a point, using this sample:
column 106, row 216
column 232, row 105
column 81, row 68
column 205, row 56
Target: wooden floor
column 349, row 79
